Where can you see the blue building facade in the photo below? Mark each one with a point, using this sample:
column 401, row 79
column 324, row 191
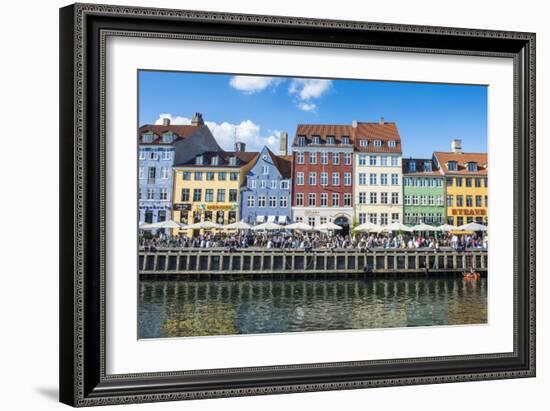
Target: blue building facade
column 266, row 195
column 160, row 147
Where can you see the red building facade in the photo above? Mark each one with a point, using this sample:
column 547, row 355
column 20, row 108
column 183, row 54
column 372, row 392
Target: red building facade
column 322, row 175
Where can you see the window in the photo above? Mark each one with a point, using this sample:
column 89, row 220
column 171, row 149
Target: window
column 265, row 170
column 469, row 201
column 414, row 200
column 458, row 181
column 261, row 201
column 300, row 199
column 251, row 201
column 395, row 198
column 452, row 165
column 164, row 193
column 394, row 161
column 427, row 166
column 324, row 199
column 363, row 143
column 198, row 175
column 167, row 138
column 185, row 194
column 153, row 155
column 324, row 158
column 335, row 179
column 468, row 182
column 186, row 175
column 372, row 179
column 233, row 176
column 384, row 179
column 283, row 201
column 395, row 217
column 285, row 184
column 274, row 184
column 221, row 195
column 362, row 218
column 336, row 158
column 222, row 176
column 407, row 200
column 430, row 200
column 142, row 155
column 377, row 143
column 311, row 221
column 300, row 178
column 335, row 200
column 345, row 140
column 394, row 179
column 478, row 201
column 311, row 200
column 347, row 159
column 472, row 166
column 210, row 176
column 449, row 182
column 299, row 158
column 347, row 179
column 199, row 160
column 362, row 197
column 141, row 172
column 167, row 155
column 392, row 143
column 197, row 194
column 232, row 161
column 372, row 218
column 209, row 195
column 251, row 183
column 150, row 194
column 423, row 200
column 299, row 219
column 330, row 139
column 383, row 198
column 478, row 182
column 233, row 195
column 263, row 184
column 315, row 140
column 215, row 160
column 347, row 199
column 384, row 218
column 383, row 160
column 272, row 202
column 460, row 221
column 486, row 202
column 324, row 178
column 322, row 220
column 362, row 160
column 312, row 180
column 148, row 138
column 373, row 197
column 412, row 166
column 301, row 141
column 312, row 158
column 362, row 179
column 450, row 201
column 372, row 160
column 459, row 201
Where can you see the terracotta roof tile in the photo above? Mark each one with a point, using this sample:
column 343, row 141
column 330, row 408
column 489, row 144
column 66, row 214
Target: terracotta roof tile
column 462, row 159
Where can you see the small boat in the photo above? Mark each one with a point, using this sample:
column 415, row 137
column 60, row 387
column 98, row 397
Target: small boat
column 471, row 275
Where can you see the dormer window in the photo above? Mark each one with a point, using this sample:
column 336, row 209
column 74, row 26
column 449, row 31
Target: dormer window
column 148, row 138
column 315, row 140
column 452, row 165
column 345, row 139
column 363, row 143
column 412, row 166
column 215, row 160
column 168, row 138
column 199, row 160
column 427, row 166
column 392, row 143
column 472, row 166
column 232, row 161
column 301, row 141
column 330, row 139
column 377, row 143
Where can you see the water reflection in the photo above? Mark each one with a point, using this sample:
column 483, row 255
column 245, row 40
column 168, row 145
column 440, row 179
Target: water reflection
column 195, row 308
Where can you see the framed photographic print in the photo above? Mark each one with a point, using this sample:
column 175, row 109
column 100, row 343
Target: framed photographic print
column 263, row 204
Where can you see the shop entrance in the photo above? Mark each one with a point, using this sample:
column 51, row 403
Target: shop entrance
column 344, row 223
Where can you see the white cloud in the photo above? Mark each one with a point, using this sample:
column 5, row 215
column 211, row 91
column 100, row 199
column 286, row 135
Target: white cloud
column 307, row 89
column 252, row 84
column 247, row 132
column 307, row 106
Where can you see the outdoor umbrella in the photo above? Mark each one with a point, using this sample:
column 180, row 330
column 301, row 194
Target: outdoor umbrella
column 368, row 227
column 425, row 227
column 267, row 226
column 447, row 227
column 161, row 224
column 205, row 225
column 328, row 226
column 396, row 227
column 473, row 227
column 299, row 226
column 239, row 225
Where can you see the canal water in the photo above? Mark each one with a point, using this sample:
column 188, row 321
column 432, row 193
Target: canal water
column 176, row 308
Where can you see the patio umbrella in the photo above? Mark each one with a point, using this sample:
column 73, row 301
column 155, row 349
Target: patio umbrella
column 161, row 224
column 269, row 226
column 205, row 225
column 473, row 227
column 365, row 227
column 328, row 226
column 299, row 226
column 425, row 227
column 447, row 227
column 396, row 227
column 239, row 225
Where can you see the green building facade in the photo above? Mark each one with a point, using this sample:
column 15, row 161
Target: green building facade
column 423, row 192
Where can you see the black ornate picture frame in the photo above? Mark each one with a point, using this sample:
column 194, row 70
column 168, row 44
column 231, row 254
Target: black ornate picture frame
column 83, row 31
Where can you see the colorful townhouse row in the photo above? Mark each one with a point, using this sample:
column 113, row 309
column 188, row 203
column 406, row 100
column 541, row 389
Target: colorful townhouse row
column 345, row 174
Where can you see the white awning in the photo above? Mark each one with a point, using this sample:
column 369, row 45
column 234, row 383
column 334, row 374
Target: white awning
column 282, row 219
column 270, row 218
column 260, row 219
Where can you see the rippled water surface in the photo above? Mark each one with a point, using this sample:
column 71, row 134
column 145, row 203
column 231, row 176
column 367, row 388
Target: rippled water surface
column 193, row 308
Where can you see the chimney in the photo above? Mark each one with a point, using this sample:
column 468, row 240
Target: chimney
column 456, row 146
column 354, row 123
column 240, row 146
column 283, row 151
column 165, row 121
column 381, row 121
column 197, row 120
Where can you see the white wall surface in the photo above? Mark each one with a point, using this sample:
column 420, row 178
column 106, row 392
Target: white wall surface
column 29, row 206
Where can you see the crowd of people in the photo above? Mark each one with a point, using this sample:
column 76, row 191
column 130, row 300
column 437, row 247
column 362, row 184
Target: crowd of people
column 316, row 240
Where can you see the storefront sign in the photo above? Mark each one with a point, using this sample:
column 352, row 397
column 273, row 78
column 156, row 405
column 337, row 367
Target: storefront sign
column 468, row 211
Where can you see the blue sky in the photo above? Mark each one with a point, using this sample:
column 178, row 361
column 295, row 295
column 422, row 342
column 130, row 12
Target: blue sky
column 428, row 116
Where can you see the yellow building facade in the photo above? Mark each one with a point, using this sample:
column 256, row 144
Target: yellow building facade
column 208, row 188
column 466, row 185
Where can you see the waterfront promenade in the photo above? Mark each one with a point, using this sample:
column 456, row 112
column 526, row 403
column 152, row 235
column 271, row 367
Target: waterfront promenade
column 261, row 262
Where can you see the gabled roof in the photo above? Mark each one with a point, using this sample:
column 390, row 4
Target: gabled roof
column 462, row 160
column 323, row 131
column 181, row 132
column 283, row 163
column 420, row 167
column 243, row 157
